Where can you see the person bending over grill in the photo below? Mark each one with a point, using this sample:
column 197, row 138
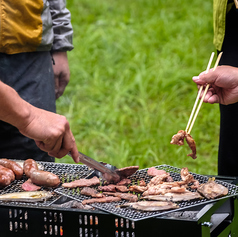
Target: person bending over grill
column 50, row 131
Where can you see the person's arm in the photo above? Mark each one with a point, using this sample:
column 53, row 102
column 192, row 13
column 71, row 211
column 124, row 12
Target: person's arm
column 63, row 38
column 61, row 72
column 223, row 85
column 50, row 131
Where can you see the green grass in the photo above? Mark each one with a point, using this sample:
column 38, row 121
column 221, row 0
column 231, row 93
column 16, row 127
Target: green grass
column 131, row 83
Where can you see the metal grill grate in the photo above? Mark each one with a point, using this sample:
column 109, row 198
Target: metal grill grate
column 64, row 171
column 136, row 215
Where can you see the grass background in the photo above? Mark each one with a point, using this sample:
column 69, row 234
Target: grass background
column 131, row 83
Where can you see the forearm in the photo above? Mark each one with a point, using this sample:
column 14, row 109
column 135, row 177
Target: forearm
column 50, row 131
column 14, row 110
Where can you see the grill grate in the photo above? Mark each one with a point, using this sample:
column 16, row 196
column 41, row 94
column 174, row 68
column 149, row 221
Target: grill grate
column 64, row 171
column 136, row 215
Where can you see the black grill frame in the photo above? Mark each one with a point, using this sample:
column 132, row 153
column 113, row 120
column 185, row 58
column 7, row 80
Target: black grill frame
column 23, row 220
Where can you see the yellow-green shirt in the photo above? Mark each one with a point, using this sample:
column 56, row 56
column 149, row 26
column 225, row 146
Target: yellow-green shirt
column 220, row 9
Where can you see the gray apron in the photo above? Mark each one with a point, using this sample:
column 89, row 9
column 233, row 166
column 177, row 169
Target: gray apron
column 31, row 75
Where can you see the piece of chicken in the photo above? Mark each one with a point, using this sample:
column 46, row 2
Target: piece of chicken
column 192, row 145
column 178, row 139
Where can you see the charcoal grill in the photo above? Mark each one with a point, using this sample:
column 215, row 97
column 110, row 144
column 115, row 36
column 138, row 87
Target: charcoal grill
column 212, row 219
column 136, row 215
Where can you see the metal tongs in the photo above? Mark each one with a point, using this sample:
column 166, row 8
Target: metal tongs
column 110, row 175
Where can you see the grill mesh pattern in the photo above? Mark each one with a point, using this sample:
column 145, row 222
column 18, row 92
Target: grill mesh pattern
column 136, row 215
column 64, row 171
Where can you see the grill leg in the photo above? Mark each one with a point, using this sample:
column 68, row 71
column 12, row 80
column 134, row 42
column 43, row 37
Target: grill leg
column 234, row 227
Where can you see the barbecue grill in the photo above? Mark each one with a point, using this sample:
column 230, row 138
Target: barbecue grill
column 216, row 218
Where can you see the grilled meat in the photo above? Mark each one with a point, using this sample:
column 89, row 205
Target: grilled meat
column 195, row 184
column 101, row 200
column 188, row 178
column 124, row 182
column 164, row 188
column 29, row 166
column 16, row 168
column 127, row 171
column 178, row 139
column 151, row 205
column 154, row 172
column 6, row 176
column 107, row 188
column 192, row 145
column 21, row 163
column 82, row 183
column 122, row 189
column 175, row 197
column 91, row 192
column 137, row 189
column 29, row 186
column 211, row 190
column 158, row 179
column 113, row 188
column 126, row 196
column 73, row 204
column 157, row 186
column 44, row 178
column 142, row 183
column 169, row 179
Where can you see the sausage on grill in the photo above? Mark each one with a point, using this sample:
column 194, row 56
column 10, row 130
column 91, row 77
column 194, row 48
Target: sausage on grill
column 6, row 176
column 10, row 164
column 29, row 166
column 44, row 178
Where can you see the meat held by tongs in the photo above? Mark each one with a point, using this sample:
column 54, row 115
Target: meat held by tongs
column 178, row 139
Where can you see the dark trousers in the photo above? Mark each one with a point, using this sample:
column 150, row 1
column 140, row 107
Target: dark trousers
column 228, row 145
column 31, row 75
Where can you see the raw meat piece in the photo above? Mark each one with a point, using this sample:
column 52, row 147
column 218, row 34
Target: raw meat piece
column 29, row 186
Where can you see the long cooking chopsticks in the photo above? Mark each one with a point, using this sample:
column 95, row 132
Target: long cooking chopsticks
column 194, row 114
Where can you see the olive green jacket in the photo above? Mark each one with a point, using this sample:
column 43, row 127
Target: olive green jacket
column 220, row 9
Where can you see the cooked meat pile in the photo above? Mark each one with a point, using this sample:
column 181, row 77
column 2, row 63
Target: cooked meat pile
column 161, row 192
column 178, row 139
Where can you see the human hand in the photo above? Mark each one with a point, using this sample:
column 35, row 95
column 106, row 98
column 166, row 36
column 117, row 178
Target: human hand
column 61, row 72
column 223, row 85
column 51, row 133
